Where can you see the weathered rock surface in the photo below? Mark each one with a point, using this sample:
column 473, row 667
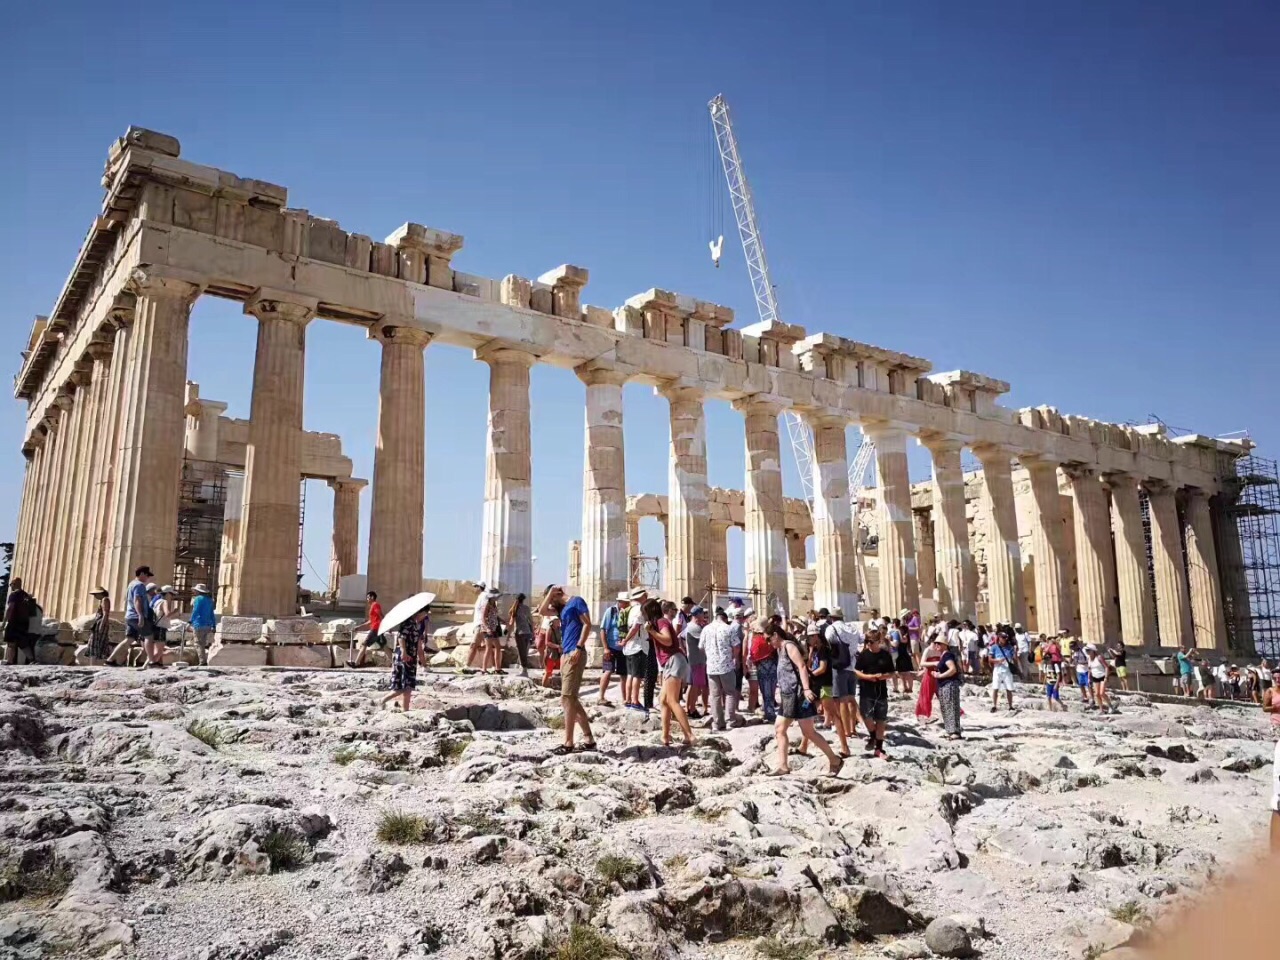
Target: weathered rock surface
column 235, row 814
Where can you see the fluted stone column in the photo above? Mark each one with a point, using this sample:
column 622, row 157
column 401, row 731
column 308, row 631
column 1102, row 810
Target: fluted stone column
column 399, row 465
column 765, row 512
column 1048, row 547
column 926, row 560
column 720, row 555
column 1095, row 559
column 58, row 601
column 21, row 542
column 43, row 509
column 149, row 471
column 104, row 502
column 899, row 588
column 1173, row 605
column 506, row 557
column 1005, row 603
column 957, row 576
column 1133, row 585
column 1205, row 588
column 688, row 557
column 836, row 580
column 344, row 552
column 1231, row 574
column 266, row 581
column 81, row 577
column 203, row 429
column 603, row 557
column 232, row 542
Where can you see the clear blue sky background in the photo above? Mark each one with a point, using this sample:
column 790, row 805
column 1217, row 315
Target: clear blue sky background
column 1080, row 199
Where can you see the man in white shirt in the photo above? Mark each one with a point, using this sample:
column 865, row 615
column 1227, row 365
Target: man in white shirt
column 1022, row 645
column 722, row 646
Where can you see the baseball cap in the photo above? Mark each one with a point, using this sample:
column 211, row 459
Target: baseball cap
column 698, row 612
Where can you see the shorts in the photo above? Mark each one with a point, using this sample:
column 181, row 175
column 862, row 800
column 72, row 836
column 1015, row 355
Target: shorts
column 846, row 684
column 637, row 665
column 1082, row 679
column 608, row 664
column 904, row 663
column 826, row 693
column 571, row 673
column 373, row 638
column 698, row 677
column 973, row 662
column 136, row 631
column 1097, row 681
column 796, row 707
column 1122, row 671
column 1051, row 691
column 1002, row 678
column 873, row 709
column 676, row 668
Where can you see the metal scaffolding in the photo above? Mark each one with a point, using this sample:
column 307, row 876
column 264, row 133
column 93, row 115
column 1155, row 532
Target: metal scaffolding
column 202, row 504
column 1249, row 559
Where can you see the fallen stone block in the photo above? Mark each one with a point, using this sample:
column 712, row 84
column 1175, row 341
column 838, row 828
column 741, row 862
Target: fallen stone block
column 301, row 655
column 294, row 630
column 237, row 654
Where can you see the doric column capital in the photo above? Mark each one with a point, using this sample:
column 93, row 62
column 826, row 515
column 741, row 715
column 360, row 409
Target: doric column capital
column 165, row 283
column 941, row 443
column 100, row 351
column 678, row 390
column 267, row 304
column 1154, row 486
column 1080, row 471
column 992, row 452
column 877, row 429
column 595, row 376
column 389, row 332
column 496, row 353
column 1118, row 479
column 817, row 417
column 81, row 374
column 121, row 313
column 760, row 403
column 1034, row 462
column 341, row 484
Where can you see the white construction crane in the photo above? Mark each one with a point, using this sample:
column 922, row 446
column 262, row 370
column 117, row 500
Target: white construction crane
column 744, row 211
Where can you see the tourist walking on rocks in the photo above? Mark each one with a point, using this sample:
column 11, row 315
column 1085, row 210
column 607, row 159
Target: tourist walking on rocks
column 1098, row 670
column 19, row 610
column 490, row 634
column 1080, row 662
column 166, row 607
column 636, row 649
column 896, row 638
column 1271, row 706
column 845, row 641
column 137, row 617
column 764, row 662
column 874, row 667
column 723, row 650
column 905, row 664
column 575, row 627
column 520, row 626
column 699, row 689
column 799, row 704
column 99, row 641
column 202, row 621
column 914, row 649
column 947, row 673
column 549, row 647
column 1053, row 685
column 1003, row 655
column 409, row 650
column 613, row 662
column 373, row 624
column 822, row 679
column 673, row 662
column 1022, row 649
column 1120, row 660
column 970, row 644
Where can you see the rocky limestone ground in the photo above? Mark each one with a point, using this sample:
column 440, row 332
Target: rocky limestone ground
column 238, row 814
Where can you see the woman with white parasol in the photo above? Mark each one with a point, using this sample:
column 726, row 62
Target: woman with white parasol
column 409, row 618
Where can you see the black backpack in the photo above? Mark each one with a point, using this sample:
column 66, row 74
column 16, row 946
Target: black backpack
column 840, row 658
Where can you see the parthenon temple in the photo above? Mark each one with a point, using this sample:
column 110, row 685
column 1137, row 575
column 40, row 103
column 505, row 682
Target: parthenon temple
column 1126, row 524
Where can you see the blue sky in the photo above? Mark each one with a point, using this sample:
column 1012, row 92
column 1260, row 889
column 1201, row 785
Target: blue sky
column 1079, row 199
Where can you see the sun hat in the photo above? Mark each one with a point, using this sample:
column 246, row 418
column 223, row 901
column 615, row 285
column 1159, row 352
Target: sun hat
column 493, row 592
column 638, row 593
column 624, row 595
column 98, row 592
column 812, row 630
column 199, row 588
column 168, row 588
column 837, row 612
column 152, row 586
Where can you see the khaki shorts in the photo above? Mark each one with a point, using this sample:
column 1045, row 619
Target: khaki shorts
column 571, row 668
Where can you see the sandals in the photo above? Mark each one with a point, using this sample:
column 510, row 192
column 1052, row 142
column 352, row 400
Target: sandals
column 561, row 751
column 839, row 765
column 777, row 773
column 588, row 746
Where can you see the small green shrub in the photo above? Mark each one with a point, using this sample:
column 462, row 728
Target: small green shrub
column 206, row 732
column 627, row 873
column 287, row 851
column 775, row 948
column 398, row 827
column 480, row 822
column 389, row 761
column 586, row 943
column 344, row 755
column 1131, row 913
column 556, row 721
column 451, row 750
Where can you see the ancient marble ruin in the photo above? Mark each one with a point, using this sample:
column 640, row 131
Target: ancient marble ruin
column 105, row 380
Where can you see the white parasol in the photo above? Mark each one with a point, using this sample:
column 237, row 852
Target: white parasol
column 405, row 609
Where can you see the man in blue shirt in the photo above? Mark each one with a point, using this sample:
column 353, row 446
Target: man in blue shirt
column 202, row 621
column 137, row 614
column 575, row 626
column 1003, row 653
column 614, row 661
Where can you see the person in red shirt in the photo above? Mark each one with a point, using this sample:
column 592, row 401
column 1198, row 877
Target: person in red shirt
column 372, row 623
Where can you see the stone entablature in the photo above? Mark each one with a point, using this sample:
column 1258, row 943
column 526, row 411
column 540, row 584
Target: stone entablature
column 232, row 236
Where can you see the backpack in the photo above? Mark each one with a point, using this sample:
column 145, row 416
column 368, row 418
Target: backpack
column 840, row 659
column 34, row 614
